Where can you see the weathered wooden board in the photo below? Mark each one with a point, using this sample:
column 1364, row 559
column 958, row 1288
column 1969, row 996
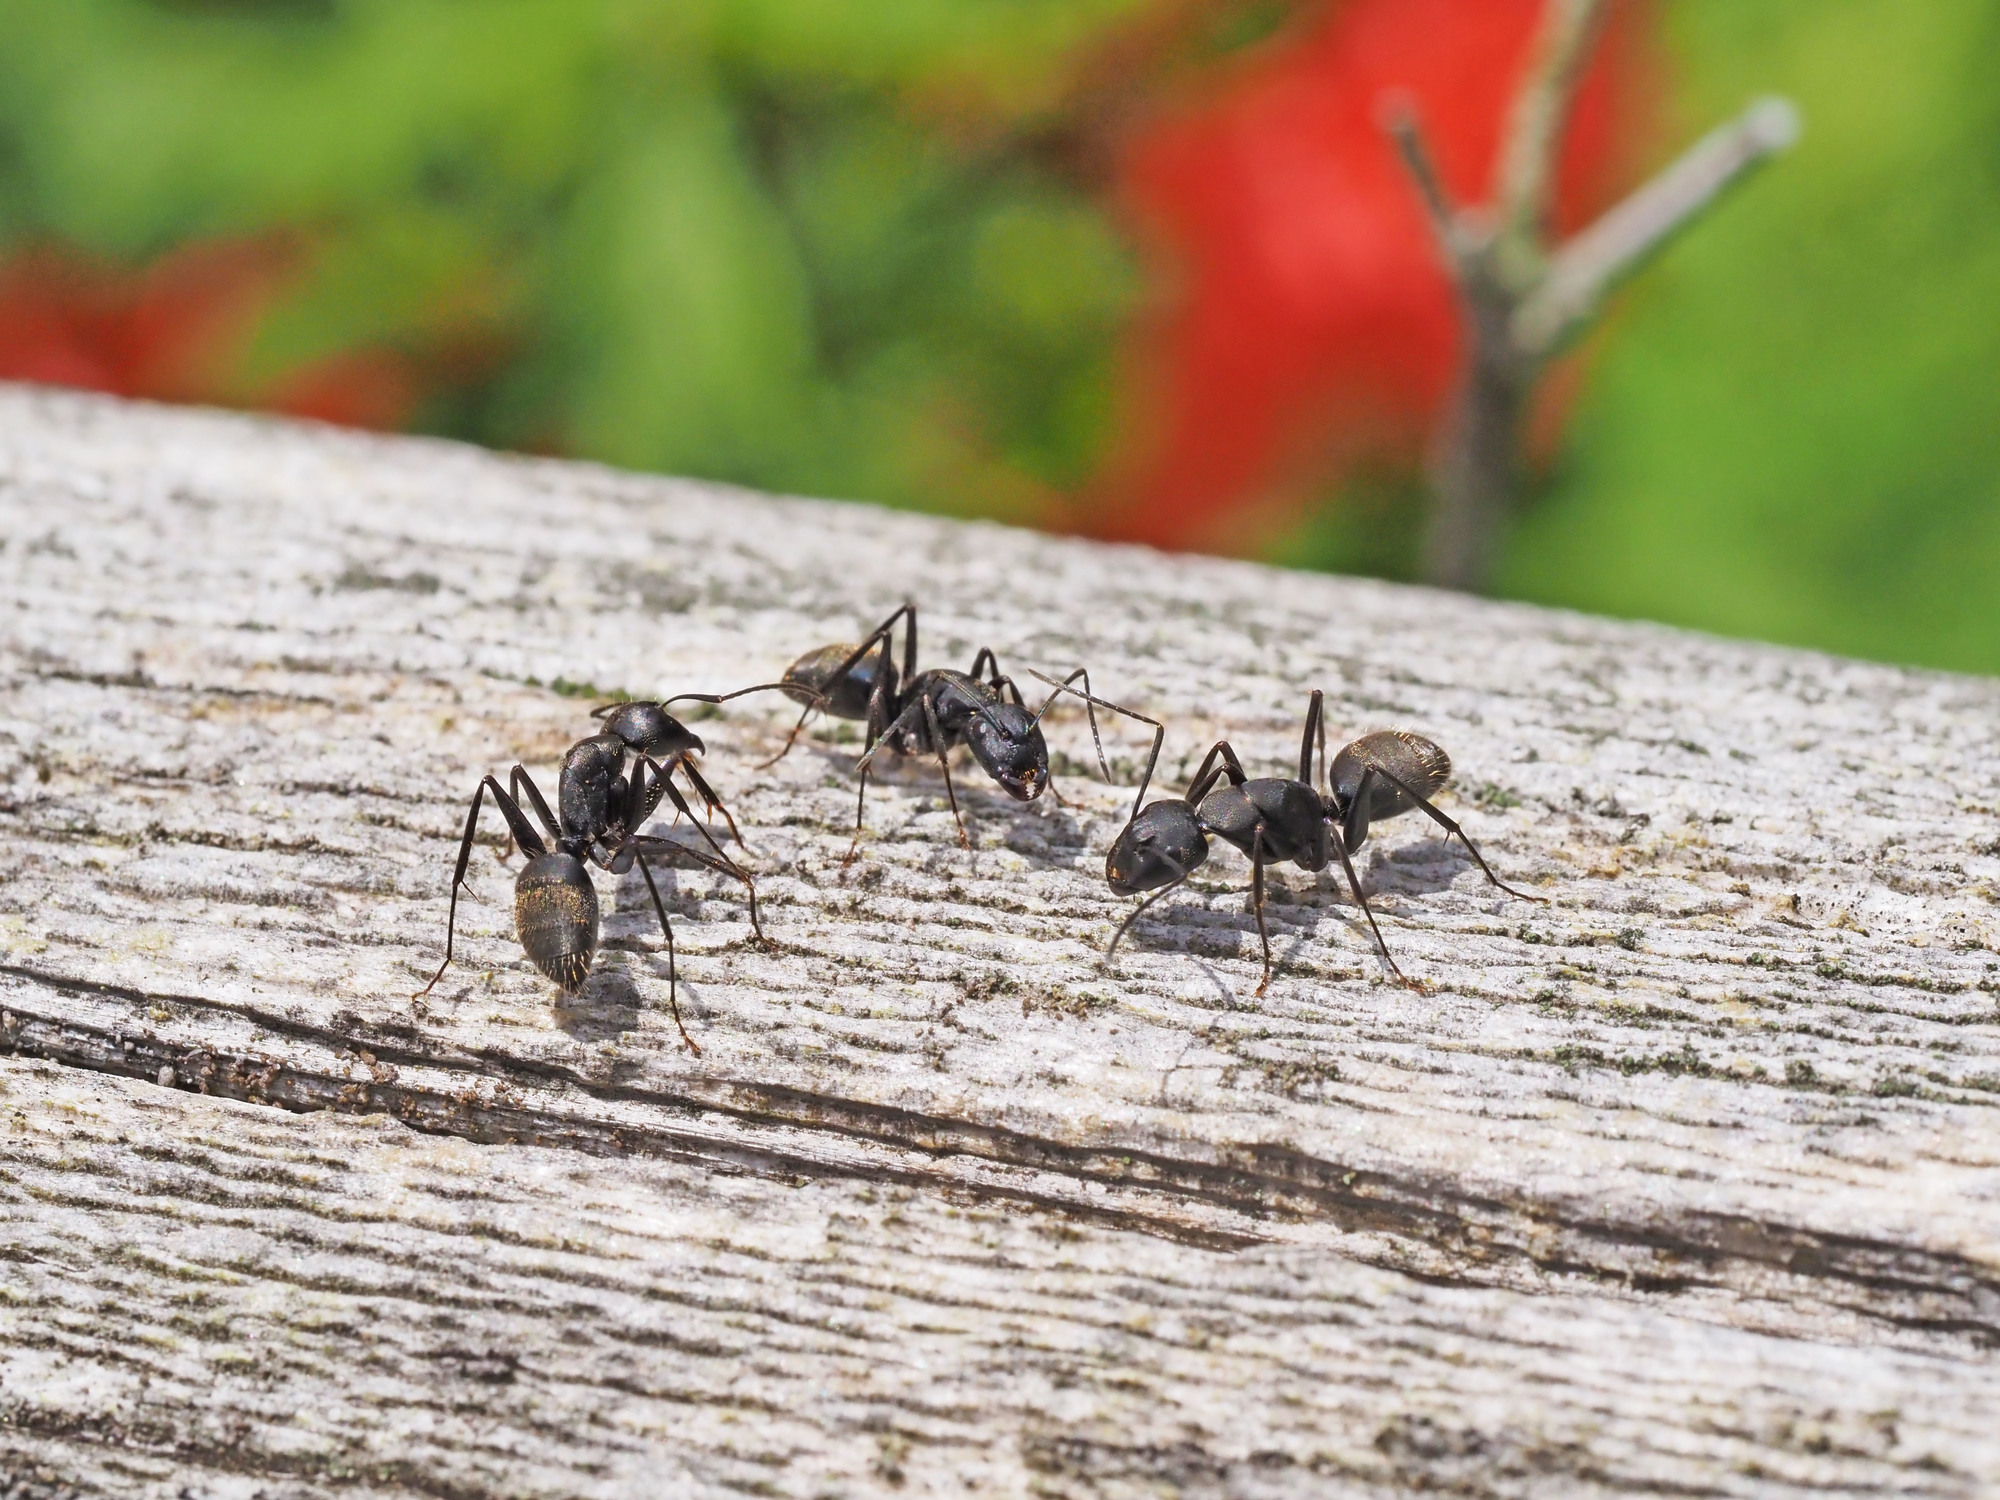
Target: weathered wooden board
column 1686, row 1180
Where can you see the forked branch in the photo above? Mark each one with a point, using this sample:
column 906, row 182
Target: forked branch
column 1526, row 298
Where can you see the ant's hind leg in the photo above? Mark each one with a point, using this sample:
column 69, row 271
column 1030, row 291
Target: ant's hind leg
column 790, row 739
column 1449, row 827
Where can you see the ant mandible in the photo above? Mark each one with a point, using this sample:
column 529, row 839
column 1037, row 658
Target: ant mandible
column 601, row 809
column 1272, row 819
column 908, row 712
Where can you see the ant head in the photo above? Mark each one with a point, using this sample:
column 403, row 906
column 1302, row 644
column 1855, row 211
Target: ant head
column 651, row 730
column 1162, row 844
column 1008, row 744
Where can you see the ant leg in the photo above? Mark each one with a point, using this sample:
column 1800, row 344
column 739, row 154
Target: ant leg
column 1140, row 910
column 884, row 636
column 524, row 835
column 518, row 781
column 860, row 802
column 1315, row 722
column 717, row 861
column 1361, row 900
column 1210, row 772
column 1449, row 828
column 715, row 803
column 645, row 799
column 930, row 721
column 944, row 765
column 992, row 677
column 790, row 739
column 1257, row 901
column 909, row 614
column 880, row 725
column 673, row 980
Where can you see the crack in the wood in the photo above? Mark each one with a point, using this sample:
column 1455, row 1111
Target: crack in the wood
column 261, row 1080
column 1922, row 1290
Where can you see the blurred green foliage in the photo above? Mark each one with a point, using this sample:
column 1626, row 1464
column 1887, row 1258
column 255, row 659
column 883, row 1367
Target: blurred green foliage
column 1792, row 426
column 795, row 245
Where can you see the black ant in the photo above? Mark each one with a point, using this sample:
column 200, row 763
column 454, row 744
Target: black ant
column 1272, row 819
column 601, row 809
column 644, row 728
column 928, row 713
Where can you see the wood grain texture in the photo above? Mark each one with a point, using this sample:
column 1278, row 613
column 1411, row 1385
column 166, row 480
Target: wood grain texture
column 1685, row 1181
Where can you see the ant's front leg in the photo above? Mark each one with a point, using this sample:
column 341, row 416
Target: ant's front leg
column 715, row 804
column 645, row 797
column 944, row 765
column 1211, row 772
column 717, row 861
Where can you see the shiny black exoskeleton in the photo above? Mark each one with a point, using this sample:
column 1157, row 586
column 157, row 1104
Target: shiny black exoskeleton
column 646, row 730
column 601, row 806
column 908, row 712
column 1277, row 819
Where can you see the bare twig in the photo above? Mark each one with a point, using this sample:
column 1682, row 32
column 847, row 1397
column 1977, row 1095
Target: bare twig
column 1399, row 117
column 1524, row 298
column 1541, row 109
column 1600, row 257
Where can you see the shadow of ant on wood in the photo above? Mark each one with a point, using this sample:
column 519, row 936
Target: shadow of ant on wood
column 607, row 1006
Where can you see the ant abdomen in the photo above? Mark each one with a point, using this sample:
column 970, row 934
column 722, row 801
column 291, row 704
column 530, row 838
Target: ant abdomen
column 811, row 680
column 1161, row 845
column 1418, row 763
column 555, row 916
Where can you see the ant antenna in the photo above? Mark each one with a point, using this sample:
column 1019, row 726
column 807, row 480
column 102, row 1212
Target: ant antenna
column 1159, row 729
column 762, row 687
column 1089, row 709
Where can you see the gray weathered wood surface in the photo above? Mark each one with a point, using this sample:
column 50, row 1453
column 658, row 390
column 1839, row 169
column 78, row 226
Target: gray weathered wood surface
column 1685, row 1182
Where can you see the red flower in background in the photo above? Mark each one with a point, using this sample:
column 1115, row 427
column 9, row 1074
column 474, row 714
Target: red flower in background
column 176, row 331
column 168, row 332
column 1309, row 322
